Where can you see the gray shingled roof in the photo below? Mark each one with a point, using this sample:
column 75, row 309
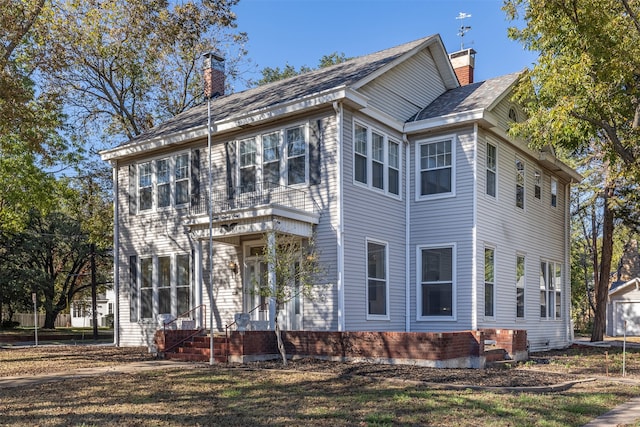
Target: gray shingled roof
column 466, row 98
column 344, row 74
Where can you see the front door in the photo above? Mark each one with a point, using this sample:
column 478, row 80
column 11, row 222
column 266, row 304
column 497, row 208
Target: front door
column 255, row 269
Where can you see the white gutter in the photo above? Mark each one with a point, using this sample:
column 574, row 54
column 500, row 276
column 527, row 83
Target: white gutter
column 474, row 236
column 116, row 256
column 340, row 226
column 407, row 236
column 448, row 120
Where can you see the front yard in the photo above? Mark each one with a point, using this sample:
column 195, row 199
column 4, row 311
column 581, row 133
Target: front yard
column 309, row 392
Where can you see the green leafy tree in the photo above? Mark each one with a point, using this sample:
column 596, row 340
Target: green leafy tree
column 123, row 66
column 583, row 93
column 270, row 75
column 294, row 264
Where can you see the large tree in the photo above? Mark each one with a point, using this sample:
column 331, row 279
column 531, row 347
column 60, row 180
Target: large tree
column 584, row 91
column 123, row 66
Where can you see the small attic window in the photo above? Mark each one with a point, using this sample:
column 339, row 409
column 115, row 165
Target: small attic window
column 513, row 116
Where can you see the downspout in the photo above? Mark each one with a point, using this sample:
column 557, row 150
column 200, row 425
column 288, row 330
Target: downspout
column 474, row 235
column 407, row 236
column 116, row 256
column 338, row 108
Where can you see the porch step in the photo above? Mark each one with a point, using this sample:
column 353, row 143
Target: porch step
column 197, row 350
column 495, row 355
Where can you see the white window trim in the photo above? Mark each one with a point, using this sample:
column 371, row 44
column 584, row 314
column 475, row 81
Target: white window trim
column 493, row 317
column 155, row 270
column 524, row 185
column 486, row 168
column 386, row 267
column 369, row 158
column 154, row 182
column 552, row 315
column 524, row 288
column 454, row 269
column 551, row 192
column 283, row 151
column 454, row 146
column 536, row 170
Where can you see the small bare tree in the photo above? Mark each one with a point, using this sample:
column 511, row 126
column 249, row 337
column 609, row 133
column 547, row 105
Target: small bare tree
column 293, row 264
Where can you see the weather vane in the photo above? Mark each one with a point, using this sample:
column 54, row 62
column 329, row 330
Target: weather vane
column 463, row 28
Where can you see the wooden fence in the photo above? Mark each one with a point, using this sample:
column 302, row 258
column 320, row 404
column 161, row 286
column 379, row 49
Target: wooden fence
column 26, row 319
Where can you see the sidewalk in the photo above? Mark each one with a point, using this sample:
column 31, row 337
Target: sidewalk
column 626, row 414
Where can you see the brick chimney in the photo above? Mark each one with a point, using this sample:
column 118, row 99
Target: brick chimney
column 463, row 63
column 213, row 75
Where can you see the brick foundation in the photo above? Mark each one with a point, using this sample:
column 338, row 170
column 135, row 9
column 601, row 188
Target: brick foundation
column 463, row 349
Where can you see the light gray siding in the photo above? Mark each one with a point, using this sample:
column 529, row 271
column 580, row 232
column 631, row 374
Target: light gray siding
column 537, row 232
column 369, row 214
column 406, row 91
column 446, row 221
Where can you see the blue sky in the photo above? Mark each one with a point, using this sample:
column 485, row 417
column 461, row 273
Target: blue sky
column 300, row 32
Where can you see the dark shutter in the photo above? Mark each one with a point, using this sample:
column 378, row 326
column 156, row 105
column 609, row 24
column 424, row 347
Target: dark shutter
column 133, row 289
column 195, row 178
column 315, row 145
column 133, row 199
column 230, row 150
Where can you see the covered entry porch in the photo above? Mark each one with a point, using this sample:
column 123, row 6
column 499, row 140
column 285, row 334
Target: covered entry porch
column 230, row 247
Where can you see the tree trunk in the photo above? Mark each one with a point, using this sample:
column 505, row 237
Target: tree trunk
column 281, row 348
column 50, row 319
column 602, row 278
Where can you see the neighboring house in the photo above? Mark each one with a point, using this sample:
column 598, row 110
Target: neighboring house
column 426, row 214
column 81, row 315
column 623, row 304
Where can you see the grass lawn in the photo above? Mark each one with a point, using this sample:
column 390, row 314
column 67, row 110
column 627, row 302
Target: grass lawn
column 233, row 396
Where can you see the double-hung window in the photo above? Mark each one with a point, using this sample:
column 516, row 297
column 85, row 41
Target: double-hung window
column 248, row 165
column 550, row 290
column 376, row 160
column 377, row 289
column 492, row 169
column 436, row 161
column 164, row 286
column 279, row 157
column 520, row 285
column 489, row 281
column 271, row 159
column 296, row 155
column 519, row 184
column 163, row 182
column 437, row 282
column 537, row 184
column 554, row 192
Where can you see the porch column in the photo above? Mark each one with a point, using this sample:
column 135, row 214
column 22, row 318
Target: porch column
column 197, row 282
column 271, row 248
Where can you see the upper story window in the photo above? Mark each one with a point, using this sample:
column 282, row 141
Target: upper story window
column 537, row 184
column 274, row 158
column 519, row 183
column 163, row 182
column 376, row 160
column 436, row 159
column 554, row 192
column 492, row 169
column 513, row 115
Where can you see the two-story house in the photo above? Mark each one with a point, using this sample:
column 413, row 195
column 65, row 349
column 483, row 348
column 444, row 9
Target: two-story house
column 427, row 215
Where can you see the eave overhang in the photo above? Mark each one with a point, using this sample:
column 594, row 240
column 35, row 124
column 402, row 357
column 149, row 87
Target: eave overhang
column 343, row 94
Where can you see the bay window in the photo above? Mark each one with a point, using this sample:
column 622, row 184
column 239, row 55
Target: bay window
column 435, row 160
column 437, row 282
column 376, row 160
column 377, row 289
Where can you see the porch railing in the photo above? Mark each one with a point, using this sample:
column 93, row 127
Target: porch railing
column 253, row 196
